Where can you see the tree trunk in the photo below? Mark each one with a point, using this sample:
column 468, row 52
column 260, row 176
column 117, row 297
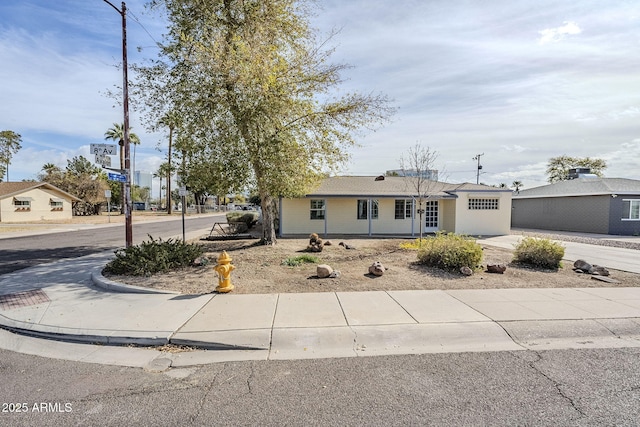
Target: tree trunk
column 269, row 219
column 169, row 171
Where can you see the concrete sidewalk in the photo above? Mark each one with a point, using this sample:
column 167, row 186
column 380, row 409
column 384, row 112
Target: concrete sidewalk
column 60, row 301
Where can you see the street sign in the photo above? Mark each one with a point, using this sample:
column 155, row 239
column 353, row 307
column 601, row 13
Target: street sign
column 117, row 177
column 104, row 149
column 103, row 160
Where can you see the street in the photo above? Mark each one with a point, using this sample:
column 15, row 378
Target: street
column 21, row 252
column 567, row 387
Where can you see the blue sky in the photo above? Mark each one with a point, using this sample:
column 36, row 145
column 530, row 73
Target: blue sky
column 517, row 80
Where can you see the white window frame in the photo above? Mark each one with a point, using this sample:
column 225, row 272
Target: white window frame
column 407, row 208
column 363, row 209
column 634, row 210
column 317, row 206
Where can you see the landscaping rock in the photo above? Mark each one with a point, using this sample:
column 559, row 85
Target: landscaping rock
column 496, row 268
column 323, row 271
column 583, row 266
column 466, row 271
column 377, row 269
column 600, row 271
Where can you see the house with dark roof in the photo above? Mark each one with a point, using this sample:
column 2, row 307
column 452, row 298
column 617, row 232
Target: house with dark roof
column 389, row 205
column 588, row 205
column 34, row 201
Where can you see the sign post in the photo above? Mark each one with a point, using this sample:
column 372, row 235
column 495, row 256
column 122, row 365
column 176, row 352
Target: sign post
column 183, row 192
column 107, row 194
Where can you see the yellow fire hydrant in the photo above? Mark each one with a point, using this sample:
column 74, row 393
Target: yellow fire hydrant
column 224, row 269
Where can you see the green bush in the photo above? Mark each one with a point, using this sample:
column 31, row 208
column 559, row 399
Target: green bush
column 450, row 252
column 301, row 259
column 541, row 253
column 249, row 218
column 154, row 256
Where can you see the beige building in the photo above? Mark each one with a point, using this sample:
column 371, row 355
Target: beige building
column 367, row 205
column 34, row 201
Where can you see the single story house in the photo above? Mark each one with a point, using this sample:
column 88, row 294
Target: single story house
column 588, row 205
column 388, row 205
column 34, row 201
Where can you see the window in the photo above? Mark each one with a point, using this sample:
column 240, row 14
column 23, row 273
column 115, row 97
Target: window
column 317, row 209
column 483, row 204
column 403, row 209
column 631, row 209
column 56, row 204
column 362, row 209
column 22, row 203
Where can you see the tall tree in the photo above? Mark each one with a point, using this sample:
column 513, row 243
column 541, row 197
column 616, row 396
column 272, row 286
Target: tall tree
column 251, row 81
column 558, row 167
column 116, row 133
column 10, row 143
column 517, row 185
column 82, row 179
column 421, row 162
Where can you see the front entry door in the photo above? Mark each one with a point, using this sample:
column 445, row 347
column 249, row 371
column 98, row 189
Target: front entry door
column 431, row 216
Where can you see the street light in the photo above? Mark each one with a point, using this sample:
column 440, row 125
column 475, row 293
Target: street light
column 125, row 102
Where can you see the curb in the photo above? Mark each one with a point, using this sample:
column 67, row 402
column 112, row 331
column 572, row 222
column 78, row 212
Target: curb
column 88, row 336
column 109, row 285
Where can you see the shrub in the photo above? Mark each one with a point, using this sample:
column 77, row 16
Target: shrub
column 450, row 252
column 541, row 253
column 154, row 256
column 301, row 259
column 250, row 218
column 413, row 245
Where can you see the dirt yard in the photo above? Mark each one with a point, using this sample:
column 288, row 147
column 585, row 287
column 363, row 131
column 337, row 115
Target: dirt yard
column 259, row 270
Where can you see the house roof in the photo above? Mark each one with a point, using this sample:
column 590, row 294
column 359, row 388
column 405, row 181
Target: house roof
column 392, row 186
column 12, row 189
column 583, row 187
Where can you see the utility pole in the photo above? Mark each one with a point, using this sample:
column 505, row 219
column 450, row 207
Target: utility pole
column 477, row 157
column 127, row 151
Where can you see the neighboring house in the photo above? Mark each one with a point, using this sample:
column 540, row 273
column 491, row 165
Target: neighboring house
column 367, row 205
column 34, row 201
column 588, row 205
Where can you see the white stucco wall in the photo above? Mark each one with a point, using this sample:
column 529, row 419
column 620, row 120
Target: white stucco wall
column 483, row 222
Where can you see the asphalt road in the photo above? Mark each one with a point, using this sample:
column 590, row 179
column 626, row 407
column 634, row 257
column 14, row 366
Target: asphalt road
column 554, row 388
column 21, row 252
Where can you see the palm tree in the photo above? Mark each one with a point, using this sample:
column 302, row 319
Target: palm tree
column 116, row 133
column 517, row 185
column 172, row 121
column 162, row 172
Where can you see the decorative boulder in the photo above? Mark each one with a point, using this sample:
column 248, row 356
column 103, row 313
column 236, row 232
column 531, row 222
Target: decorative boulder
column 323, row 271
column 466, row 271
column 496, row 268
column 377, row 269
column 599, row 271
column 583, row 266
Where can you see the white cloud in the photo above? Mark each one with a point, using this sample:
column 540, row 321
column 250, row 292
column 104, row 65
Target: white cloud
column 552, row 35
